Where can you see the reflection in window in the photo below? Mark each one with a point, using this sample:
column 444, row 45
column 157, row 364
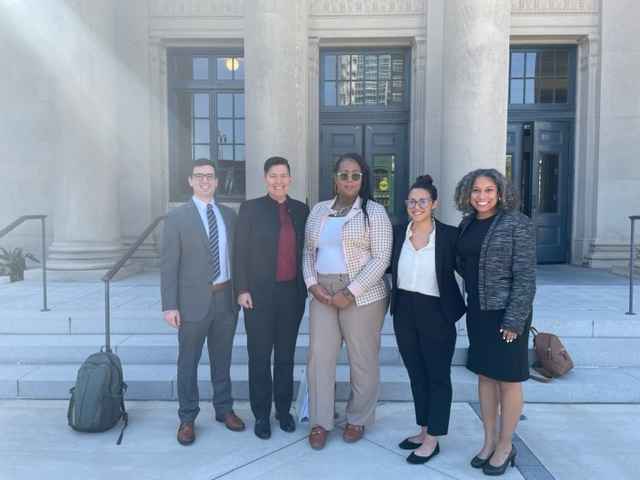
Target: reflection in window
column 383, row 180
column 548, row 173
column 230, row 122
column 539, row 77
column 230, row 68
column 363, row 79
column 508, row 172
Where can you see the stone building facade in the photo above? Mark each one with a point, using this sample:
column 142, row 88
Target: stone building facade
column 106, row 102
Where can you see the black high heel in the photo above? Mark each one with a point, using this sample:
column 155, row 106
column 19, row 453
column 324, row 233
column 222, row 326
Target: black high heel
column 477, row 462
column 489, row 469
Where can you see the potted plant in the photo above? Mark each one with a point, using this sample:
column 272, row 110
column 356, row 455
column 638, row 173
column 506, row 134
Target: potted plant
column 15, row 262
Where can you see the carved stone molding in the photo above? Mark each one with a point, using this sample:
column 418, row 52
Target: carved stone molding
column 366, row 7
column 554, row 6
column 195, row 8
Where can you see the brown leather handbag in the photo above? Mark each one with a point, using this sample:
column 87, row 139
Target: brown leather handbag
column 552, row 358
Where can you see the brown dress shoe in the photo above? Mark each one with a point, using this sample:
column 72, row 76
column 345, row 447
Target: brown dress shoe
column 352, row 433
column 318, row 437
column 232, row 421
column 186, row 433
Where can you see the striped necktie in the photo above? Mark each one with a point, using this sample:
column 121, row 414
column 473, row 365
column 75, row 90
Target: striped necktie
column 213, row 243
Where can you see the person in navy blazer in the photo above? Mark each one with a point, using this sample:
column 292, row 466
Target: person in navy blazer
column 270, row 288
column 425, row 304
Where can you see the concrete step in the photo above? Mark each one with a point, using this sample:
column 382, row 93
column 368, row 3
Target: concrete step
column 609, row 321
column 158, row 382
column 162, row 349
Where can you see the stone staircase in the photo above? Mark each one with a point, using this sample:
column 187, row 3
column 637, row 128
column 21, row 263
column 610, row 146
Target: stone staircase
column 40, row 352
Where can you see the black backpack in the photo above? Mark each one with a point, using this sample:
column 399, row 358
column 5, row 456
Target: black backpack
column 97, row 399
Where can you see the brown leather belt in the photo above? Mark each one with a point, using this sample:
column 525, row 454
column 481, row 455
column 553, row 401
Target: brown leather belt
column 215, row 287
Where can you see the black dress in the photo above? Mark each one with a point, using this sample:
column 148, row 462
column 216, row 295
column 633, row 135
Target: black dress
column 488, row 354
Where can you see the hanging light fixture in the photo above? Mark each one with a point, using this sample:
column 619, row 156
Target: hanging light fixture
column 232, row 64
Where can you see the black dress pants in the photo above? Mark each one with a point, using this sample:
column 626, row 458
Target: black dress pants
column 272, row 326
column 426, row 340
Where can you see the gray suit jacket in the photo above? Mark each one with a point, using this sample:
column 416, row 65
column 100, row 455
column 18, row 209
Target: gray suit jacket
column 185, row 269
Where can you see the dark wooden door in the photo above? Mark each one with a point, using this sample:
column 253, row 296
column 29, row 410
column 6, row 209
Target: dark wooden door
column 550, row 174
column 539, row 165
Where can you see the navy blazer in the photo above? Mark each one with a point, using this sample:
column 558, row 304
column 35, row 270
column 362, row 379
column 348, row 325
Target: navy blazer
column 256, row 249
column 450, row 297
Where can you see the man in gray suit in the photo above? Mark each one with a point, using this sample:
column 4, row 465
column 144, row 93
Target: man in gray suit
column 197, row 296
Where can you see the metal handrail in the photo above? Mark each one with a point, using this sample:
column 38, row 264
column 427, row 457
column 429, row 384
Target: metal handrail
column 115, row 269
column 19, row 222
column 632, row 254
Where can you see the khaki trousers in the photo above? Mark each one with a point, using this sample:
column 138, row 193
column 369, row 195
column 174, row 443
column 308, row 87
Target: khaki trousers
column 360, row 328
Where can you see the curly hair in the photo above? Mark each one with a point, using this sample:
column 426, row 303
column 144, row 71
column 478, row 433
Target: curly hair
column 507, row 196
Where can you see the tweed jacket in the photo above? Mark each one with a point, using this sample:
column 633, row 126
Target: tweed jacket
column 367, row 251
column 507, row 270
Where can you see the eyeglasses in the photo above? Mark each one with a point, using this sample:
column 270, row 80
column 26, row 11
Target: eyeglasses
column 413, row 203
column 344, row 176
column 203, row 176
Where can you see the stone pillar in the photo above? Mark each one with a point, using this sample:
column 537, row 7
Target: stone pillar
column 275, row 50
column 618, row 173
column 87, row 220
column 476, row 60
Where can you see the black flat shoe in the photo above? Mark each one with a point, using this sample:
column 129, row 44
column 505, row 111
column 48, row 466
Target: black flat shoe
column 407, row 444
column 418, row 460
column 262, row 428
column 477, row 462
column 490, row 470
column 287, row 423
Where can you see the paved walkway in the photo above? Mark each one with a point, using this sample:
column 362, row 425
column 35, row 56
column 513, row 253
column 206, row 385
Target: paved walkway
column 564, row 442
column 555, row 441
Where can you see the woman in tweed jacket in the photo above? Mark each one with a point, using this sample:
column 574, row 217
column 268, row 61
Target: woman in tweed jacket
column 497, row 253
column 347, row 250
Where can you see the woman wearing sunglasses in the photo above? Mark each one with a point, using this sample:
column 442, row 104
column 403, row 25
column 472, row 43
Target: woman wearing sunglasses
column 347, row 248
column 425, row 304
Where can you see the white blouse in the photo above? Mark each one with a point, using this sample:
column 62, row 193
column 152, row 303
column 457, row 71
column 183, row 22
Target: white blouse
column 417, row 268
column 330, row 252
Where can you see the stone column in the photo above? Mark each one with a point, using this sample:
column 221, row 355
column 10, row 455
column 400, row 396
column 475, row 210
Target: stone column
column 476, row 60
column 618, row 171
column 87, row 220
column 275, row 50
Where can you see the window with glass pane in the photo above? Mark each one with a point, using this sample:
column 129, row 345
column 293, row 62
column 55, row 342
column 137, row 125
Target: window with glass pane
column 352, row 80
column 230, row 142
column 206, row 103
column 539, row 77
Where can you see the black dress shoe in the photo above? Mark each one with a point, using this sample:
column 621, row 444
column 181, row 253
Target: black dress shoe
column 407, row 444
column 418, row 460
column 477, row 462
column 490, row 470
column 287, row 423
column 262, row 428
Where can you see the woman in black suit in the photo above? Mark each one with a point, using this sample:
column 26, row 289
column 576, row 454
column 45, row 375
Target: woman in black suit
column 425, row 304
column 271, row 290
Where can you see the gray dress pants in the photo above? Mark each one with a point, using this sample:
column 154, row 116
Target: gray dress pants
column 218, row 328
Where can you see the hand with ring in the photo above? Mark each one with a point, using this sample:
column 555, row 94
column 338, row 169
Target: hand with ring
column 508, row 335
